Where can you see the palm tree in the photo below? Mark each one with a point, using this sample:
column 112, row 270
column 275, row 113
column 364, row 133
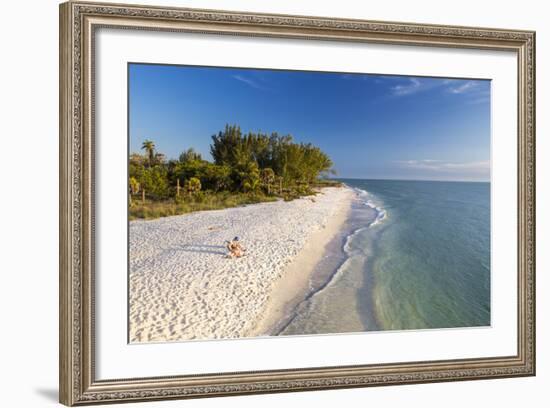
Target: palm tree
column 134, row 185
column 267, row 176
column 193, row 185
column 249, row 175
column 149, row 147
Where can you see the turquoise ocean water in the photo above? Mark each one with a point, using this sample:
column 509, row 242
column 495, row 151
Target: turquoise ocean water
column 413, row 255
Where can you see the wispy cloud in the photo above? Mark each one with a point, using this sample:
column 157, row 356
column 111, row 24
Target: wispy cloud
column 251, row 82
column 446, row 166
column 412, row 86
column 473, row 91
column 464, row 87
column 472, row 88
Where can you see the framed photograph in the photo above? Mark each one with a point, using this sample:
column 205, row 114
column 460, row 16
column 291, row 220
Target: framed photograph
column 256, row 203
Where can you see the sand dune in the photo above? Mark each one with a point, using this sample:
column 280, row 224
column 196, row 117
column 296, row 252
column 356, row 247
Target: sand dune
column 182, row 286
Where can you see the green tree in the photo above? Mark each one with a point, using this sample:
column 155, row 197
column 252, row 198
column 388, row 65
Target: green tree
column 247, row 176
column 279, row 153
column 134, row 185
column 159, row 158
column 217, row 177
column 267, row 177
column 225, row 145
column 190, row 155
column 241, row 162
column 154, row 180
column 149, row 147
column 193, row 185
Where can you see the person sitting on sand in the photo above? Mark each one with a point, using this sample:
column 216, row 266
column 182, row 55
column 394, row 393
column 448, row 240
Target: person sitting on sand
column 236, row 250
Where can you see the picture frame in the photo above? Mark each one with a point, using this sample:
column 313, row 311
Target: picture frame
column 79, row 22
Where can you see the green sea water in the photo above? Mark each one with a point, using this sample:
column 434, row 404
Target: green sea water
column 412, row 255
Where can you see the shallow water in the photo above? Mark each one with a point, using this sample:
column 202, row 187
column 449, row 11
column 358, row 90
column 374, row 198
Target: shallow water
column 413, row 255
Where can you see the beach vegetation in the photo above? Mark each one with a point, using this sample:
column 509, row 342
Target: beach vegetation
column 245, row 169
column 149, row 147
column 193, row 185
column 134, row 185
column 267, row 177
column 190, row 155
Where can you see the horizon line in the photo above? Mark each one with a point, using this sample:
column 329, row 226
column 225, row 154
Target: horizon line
column 401, row 179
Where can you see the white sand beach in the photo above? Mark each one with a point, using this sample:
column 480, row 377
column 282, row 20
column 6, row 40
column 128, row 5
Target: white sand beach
column 183, row 287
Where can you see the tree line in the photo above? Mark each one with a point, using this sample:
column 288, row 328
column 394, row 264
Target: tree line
column 259, row 163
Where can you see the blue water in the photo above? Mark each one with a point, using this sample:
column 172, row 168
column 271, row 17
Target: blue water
column 413, row 255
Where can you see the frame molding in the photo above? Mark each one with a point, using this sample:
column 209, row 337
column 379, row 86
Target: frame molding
column 78, row 21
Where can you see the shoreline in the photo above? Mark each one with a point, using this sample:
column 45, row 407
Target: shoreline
column 294, row 286
column 183, row 287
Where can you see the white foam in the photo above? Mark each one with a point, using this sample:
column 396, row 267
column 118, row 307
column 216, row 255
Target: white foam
column 381, row 213
column 347, row 245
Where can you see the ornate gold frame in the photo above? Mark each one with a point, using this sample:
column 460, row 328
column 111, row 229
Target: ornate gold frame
column 78, row 21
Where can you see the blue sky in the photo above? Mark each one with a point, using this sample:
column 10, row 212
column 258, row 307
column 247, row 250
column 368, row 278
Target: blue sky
column 372, row 126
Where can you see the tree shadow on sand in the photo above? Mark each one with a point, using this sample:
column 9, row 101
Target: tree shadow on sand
column 206, row 249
